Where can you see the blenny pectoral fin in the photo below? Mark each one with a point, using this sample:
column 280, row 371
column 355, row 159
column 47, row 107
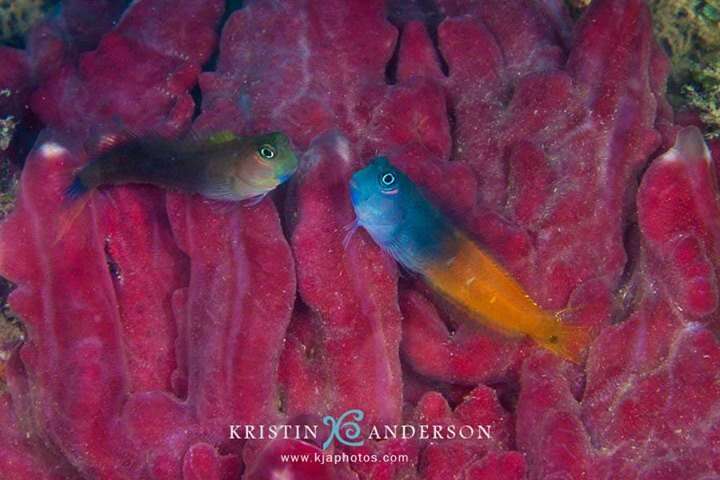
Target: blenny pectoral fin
column 350, row 230
column 251, row 202
column 68, row 215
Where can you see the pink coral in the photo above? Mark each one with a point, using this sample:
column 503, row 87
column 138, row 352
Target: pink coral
column 155, row 319
column 50, row 44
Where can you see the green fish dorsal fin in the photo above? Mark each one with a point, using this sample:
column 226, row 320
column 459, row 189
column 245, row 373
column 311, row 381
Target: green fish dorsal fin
column 221, row 137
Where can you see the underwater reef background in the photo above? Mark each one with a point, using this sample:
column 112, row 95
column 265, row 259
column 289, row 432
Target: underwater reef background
column 153, row 320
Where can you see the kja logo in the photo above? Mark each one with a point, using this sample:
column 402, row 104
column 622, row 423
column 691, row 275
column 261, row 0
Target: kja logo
column 345, row 429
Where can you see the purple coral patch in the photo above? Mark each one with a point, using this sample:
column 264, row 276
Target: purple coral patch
column 155, row 320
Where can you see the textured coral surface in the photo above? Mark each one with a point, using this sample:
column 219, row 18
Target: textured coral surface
column 156, row 319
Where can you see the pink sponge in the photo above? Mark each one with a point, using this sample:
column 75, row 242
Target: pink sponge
column 157, row 320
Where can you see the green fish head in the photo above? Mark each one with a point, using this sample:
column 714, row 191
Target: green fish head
column 275, row 149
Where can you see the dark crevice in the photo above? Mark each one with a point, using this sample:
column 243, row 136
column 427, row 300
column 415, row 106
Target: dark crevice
column 196, row 95
column 434, row 18
column 426, row 11
column 113, row 267
column 282, row 399
column 507, row 394
column 579, row 389
column 625, row 295
column 392, row 65
column 210, row 65
column 231, row 6
column 25, row 138
column 280, row 197
column 452, row 125
column 399, row 12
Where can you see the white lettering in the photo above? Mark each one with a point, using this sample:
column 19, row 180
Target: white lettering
column 390, row 431
column 484, row 431
column 311, row 432
column 404, row 429
column 465, row 428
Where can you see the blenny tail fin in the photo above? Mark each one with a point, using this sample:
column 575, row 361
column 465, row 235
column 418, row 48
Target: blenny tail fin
column 568, row 341
column 76, row 197
column 76, row 189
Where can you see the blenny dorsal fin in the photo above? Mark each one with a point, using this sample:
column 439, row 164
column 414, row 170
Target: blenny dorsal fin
column 221, row 137
column 102, row 142
column 203, row 136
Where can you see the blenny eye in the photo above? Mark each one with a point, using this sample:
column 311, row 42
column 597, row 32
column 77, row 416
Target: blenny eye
column 266, row 151
column 387, row 179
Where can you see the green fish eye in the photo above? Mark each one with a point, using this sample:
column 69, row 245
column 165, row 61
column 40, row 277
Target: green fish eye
column 387, row 179
column 266, row 151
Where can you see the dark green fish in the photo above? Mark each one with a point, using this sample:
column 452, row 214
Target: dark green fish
column 223, row 166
